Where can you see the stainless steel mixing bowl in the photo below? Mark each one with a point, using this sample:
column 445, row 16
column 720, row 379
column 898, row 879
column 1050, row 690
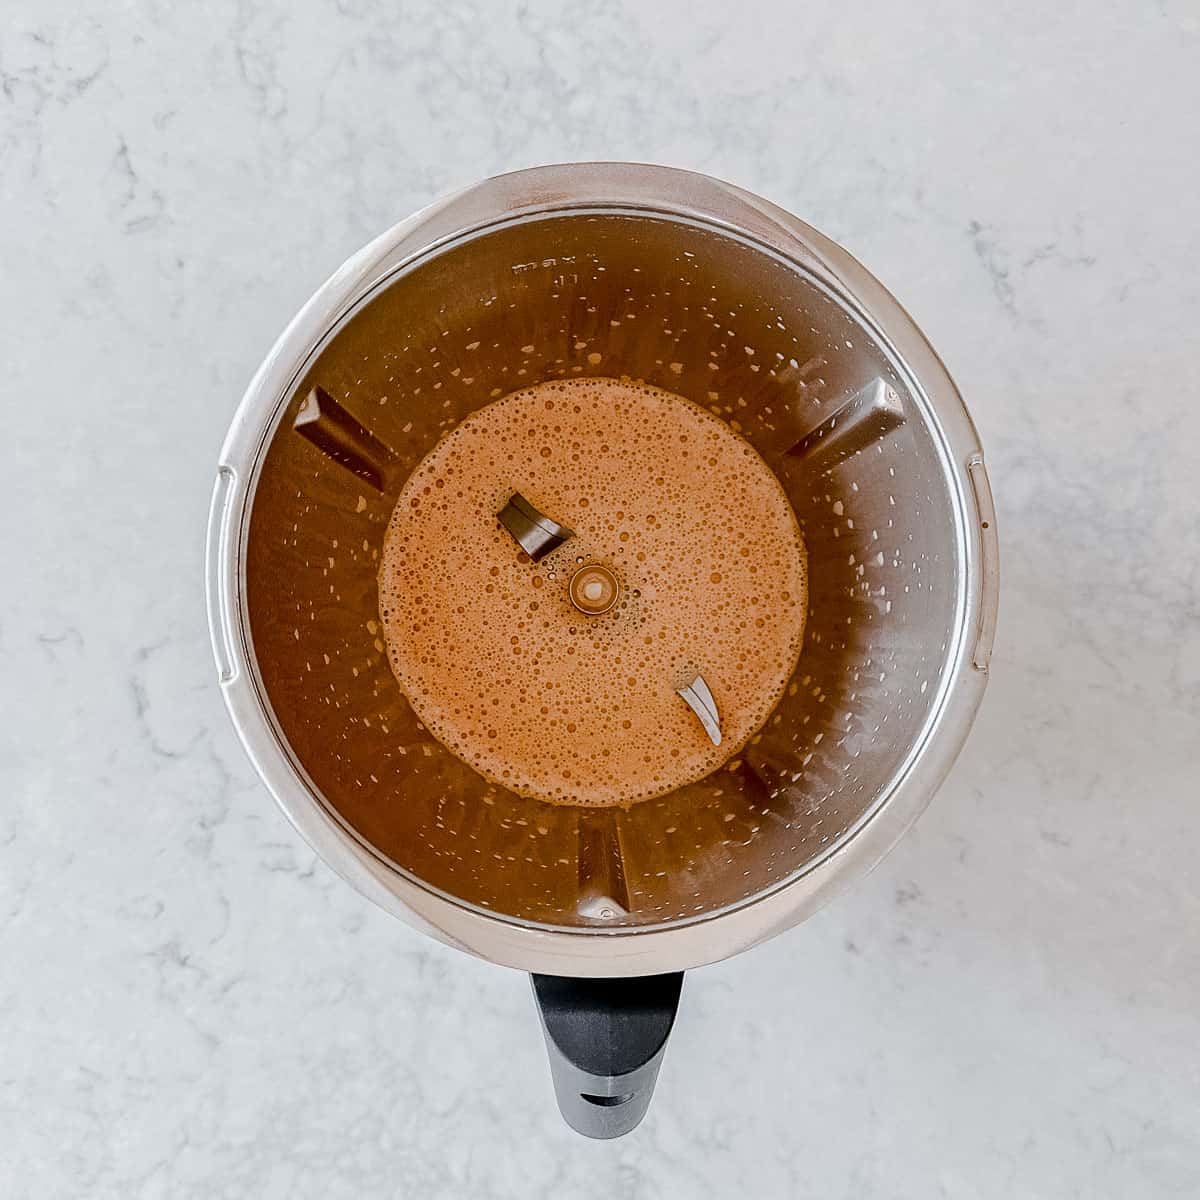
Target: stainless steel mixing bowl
column 703, row 289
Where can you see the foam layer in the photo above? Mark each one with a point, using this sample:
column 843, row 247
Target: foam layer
column 509, row 675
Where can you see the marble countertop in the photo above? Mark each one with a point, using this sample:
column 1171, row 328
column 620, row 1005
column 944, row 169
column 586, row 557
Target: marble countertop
column 191, row 1005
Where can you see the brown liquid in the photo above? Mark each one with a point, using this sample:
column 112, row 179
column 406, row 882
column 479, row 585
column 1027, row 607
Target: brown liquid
column 509, row 675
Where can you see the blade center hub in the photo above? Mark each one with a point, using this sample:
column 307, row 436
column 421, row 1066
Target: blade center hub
column 593, row 589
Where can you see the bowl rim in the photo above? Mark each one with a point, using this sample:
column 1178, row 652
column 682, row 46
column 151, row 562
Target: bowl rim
column 672, row 194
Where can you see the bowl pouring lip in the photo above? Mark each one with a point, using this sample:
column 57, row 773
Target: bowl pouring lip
column 682, row 197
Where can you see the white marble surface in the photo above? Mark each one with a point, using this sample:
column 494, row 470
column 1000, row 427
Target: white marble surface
column 192, row 1006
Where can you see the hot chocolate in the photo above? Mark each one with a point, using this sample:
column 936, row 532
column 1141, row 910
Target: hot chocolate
column 535, row 673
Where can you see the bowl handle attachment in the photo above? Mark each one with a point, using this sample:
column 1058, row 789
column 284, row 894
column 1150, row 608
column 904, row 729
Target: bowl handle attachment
column 606, row 1039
